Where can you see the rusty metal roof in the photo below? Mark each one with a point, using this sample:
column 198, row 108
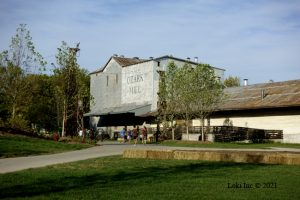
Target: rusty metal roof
column 122, row 61
column 259, row 96
column 128, row 61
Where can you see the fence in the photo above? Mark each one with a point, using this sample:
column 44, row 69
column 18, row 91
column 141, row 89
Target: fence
column 232, row 133
column 226, row 133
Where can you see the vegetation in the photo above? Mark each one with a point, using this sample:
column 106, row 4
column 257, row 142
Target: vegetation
column 188, row 92
column 119, row 178
column 16, row 145
column 16, row 64
column 30, row 100
column 72, row 88
column 232, row 81
column 167, row 97
column 181, row 143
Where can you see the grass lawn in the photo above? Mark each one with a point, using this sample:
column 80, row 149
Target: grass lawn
column 119, row 178
column 17, row 145
column 180, row 143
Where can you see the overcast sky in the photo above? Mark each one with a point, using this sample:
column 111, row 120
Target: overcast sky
column 254, row 39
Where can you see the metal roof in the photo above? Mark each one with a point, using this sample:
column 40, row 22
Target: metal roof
column 128, row 61
column 138, row 110
column 267, row 95
column 122, row 61
column 183, row 60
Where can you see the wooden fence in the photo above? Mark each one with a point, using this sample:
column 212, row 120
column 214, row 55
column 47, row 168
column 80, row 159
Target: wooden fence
column 227, row 133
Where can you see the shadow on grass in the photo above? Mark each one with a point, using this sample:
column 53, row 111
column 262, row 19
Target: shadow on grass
column 59, row 183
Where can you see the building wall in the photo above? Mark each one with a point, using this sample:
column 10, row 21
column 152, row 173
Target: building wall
column 290, row 124
column 106, row 87
column 162, row 66
column 164, row 63
column 137, row 83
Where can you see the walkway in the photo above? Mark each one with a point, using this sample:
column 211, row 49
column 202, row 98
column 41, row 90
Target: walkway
column 105, row 149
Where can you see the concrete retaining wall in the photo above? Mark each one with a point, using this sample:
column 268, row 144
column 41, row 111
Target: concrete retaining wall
column 288, row 158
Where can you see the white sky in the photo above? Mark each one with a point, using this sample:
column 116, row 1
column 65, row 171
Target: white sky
column 254, row 39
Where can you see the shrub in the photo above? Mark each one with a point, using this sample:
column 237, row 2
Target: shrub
column 65, row 139
column 56, row 137
column 19, row 123
column 257, row 136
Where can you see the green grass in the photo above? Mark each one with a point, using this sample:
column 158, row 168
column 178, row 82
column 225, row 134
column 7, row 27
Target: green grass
column 119, row 178
column 200, row 144
column 16, row 145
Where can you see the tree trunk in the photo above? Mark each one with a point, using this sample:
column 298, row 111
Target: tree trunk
column 202, row 129
column 187, row 127
column 63, row 133
column 173, row 131
column 13, row 111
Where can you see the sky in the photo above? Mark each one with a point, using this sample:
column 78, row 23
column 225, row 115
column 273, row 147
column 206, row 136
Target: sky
column 254, row 39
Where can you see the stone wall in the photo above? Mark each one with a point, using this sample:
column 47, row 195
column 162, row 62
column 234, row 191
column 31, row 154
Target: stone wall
column 266, row 157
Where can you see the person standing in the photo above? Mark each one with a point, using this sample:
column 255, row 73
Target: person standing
column 135, row 134
column 129, row 136
column 144, row 135
column 123, row 134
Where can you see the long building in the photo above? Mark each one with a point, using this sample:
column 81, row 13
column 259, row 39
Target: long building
column 125, row 90
column 274, row 105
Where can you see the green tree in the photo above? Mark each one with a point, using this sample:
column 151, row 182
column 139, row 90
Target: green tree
column 167, row 96
column 42, row 108
column 189, row 92
column 72, row 88
column 232, row 81
column 16, row 63
column 183, row 81
column 207, row 92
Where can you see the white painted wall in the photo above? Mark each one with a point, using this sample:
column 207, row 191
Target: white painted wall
column 106, row 87
column 290, row 124
column 137, row 83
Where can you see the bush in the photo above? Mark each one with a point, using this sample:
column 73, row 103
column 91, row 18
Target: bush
column 65, row 139
column 56, row 137
column 257, row 136
column 19, row 123
column 166, row 134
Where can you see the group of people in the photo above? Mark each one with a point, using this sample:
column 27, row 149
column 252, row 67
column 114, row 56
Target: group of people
column 134, row 134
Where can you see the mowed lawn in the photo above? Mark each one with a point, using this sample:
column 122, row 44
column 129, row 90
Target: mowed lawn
column 17, row 145
column 200, row 144
column 121, row 178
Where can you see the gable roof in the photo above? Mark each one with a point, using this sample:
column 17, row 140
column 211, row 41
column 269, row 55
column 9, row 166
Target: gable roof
column 122, row 61
column 183, row 60
column 128, row 61
column 259, row 96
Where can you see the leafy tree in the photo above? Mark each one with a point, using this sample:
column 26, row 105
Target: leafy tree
column 207, row 92
column 167, row 96
column 42, row 108
column 232, row 81
column 16, row 63
column 189, row 92
column 183, row 81
column 72, row 87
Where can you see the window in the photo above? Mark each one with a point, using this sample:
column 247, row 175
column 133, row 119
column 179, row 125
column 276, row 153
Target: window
column 116, row 78
column 107, row 80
